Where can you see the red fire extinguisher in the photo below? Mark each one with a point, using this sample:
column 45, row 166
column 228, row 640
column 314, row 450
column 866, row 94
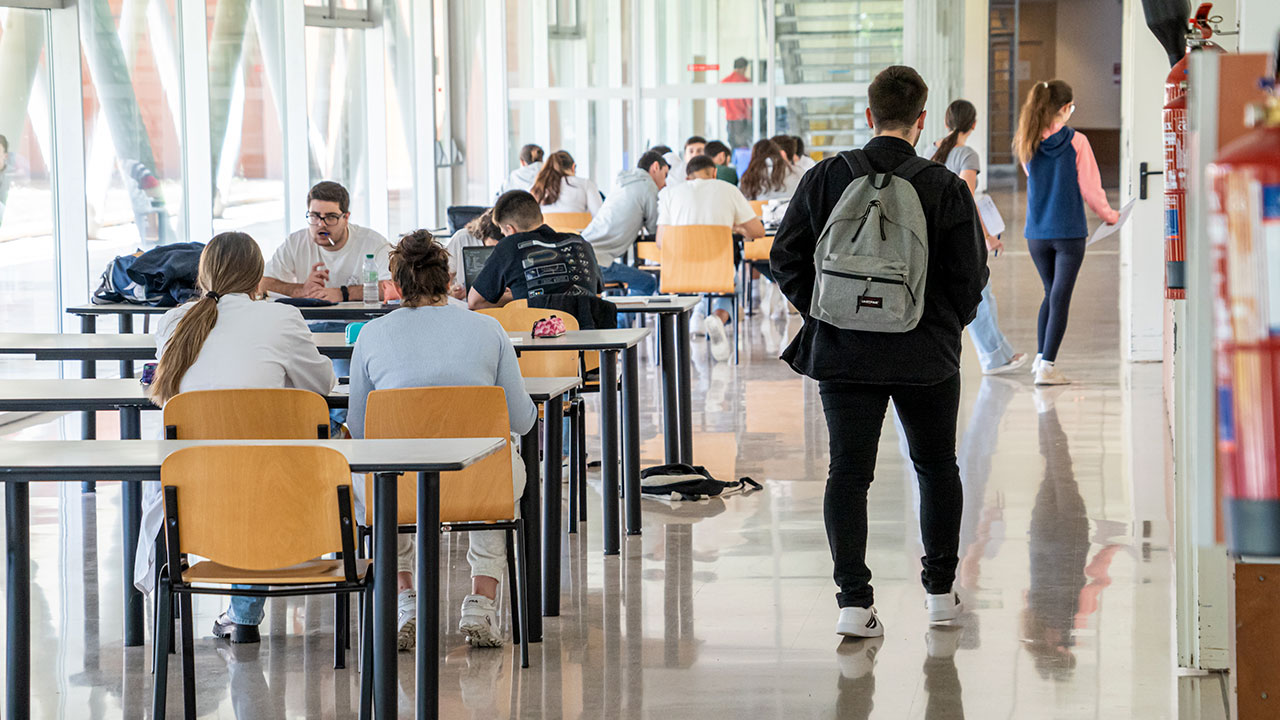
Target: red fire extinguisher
column 1244, row 232
column 1175, row 169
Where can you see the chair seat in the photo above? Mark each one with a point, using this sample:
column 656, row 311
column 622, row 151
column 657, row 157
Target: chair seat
column 313, row 572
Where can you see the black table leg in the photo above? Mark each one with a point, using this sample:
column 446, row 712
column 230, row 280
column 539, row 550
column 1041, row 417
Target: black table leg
column 126, row 328
column 609, row 449
column 631, row 437
column 670, row 405
column 428, row 639
column 553, row 434
column 531, row 512
column 88, row 369
column 18, row 621
column 385, row 677
column 131, row 517
column 684, row 374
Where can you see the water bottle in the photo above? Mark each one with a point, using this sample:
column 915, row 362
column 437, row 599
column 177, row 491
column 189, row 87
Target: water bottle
column 370, row 276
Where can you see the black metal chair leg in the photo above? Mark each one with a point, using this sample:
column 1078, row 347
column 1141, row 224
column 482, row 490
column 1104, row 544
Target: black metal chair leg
column 341, row 629
column 575, row 417
column 188, row 660
column 366, row 658
column 523, row 593
column 513, row 597
column 160, row 661
column 582, row 461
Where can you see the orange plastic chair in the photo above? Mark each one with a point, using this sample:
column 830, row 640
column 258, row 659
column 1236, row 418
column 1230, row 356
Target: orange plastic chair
column 567, row 222
column 698, row 260
column 758, row 206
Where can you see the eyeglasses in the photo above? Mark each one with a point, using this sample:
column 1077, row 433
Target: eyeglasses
column 330, row 219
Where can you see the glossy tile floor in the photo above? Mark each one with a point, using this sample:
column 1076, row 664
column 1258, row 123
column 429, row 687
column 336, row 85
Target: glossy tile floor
column 726, row 608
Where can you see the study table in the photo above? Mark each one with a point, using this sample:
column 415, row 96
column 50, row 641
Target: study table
column 609, row 343
column 130, row 397
column 23, row 462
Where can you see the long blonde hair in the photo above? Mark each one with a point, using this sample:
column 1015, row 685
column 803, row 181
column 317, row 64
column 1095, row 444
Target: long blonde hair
column 1038, row 112
column 231, row 263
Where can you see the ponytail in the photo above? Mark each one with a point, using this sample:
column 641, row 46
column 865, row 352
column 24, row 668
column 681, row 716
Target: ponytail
column 1038, row 112
column 962, row 117
column 231, row 263
column 546, row 188
column 530, row 154
column 766, row 171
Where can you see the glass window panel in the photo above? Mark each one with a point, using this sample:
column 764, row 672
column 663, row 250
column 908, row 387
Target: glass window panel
column 836, row 41
column 696, row 42
column 826, row 124
column 245, row 123
column 337, row 122
column 588, row 43
column 597, row 133
column 28, row 250
column 468, row 53
column 132, row 96
column 400, row 136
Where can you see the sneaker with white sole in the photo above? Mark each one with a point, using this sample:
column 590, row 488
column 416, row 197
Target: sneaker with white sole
column 1035, row 364
column 859, row 622
column 857, row 658
column 479, row 622
column 721, row 350
column 1015, row 362
column 407, row 620
column 1048, row 374
column 944, row 607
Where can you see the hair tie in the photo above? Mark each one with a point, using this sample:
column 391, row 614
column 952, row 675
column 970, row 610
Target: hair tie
column 212, row 295
column 1045, row 85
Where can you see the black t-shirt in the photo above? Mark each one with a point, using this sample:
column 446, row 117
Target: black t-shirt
column 539, row 262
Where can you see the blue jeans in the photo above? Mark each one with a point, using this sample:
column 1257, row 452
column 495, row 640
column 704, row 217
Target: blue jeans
column 638, row 281
column 245, row 610
column 993, row 349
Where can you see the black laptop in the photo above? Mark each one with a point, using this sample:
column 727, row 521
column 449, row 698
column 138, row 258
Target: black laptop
column 473, row 260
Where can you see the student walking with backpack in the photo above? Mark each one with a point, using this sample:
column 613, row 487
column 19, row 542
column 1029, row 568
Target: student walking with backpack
column 1062, row 176
column 994, row 351
column 882, row 252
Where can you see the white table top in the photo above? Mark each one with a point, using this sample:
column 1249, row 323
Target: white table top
column 655, row 304
column 75, row 460
column 619, row 339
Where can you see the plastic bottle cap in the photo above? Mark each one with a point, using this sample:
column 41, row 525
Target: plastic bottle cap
column 369, row 256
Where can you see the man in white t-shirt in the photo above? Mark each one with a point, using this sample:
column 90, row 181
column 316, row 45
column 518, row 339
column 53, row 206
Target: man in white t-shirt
column 325, row 260
column 704, row 200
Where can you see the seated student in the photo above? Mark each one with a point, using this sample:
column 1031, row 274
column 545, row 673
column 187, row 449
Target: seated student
column 427, row 343
column 722, row 156
column 676, row 176
column 558, row 189
column 803, row 162
column 226, row 340
column 769, row 175
column 479, row 232
column 704, row 200
column 325, row 260
column 629, row 209
column 530, row 164
column 532, row 259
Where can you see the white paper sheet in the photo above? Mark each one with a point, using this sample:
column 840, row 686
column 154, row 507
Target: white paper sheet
column 1105, row 231
column 990, row 215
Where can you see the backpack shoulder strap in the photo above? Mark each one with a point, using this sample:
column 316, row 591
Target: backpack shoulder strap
column 913, row 167
column 858, row 163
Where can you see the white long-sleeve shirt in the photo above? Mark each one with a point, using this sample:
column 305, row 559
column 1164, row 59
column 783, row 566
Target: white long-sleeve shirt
column 577, row 195
column 253, row 344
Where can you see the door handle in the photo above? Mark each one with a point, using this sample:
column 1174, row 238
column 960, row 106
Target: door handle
column 1143, row 174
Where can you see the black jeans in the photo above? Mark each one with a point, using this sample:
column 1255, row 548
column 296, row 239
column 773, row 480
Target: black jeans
column 855, row 414
column 1058, row 262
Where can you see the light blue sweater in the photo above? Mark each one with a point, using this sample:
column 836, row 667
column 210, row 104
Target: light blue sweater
column 435, row 346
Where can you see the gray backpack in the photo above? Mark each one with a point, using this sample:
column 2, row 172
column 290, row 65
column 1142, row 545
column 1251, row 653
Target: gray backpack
column 873, row 254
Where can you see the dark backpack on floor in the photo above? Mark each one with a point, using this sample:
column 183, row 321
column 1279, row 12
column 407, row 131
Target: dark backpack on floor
column 688, row 482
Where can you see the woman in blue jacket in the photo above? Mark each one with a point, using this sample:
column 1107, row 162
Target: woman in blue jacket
column 1062, row 176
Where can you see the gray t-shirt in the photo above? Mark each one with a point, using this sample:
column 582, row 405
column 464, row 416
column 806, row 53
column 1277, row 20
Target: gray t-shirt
column 963, row 158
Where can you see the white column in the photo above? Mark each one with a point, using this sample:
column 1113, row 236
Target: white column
column 423, row 129
column 495, row 74
column 375, row 136
column 297, row 165
column 1259, row 23
column 197, row 173
column 974, row 71
column 1143, row 70
column 70, row 218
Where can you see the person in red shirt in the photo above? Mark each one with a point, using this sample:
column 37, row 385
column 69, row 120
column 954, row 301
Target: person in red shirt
column 738, row 110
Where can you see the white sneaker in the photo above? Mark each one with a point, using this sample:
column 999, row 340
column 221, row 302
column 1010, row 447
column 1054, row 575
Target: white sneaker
column 407, row 617
column 944, row 608
column 859, row 622
column 721, row 349
column 697, row 323
column 1035, row 364
column 1048, row 374
column 480, row 622
column 1014, row 363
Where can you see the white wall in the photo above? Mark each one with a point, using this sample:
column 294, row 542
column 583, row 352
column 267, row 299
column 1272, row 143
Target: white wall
column 1259, row 23
column 1088, row 48
column 974, row 73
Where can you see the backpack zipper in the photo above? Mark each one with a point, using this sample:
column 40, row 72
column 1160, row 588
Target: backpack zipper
column 868, row 278
column 863, row 221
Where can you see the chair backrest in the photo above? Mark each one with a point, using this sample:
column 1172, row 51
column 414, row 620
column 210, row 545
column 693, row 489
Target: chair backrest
column 648, row 252
column 482, row 491
column 697, row 259
column 519, row 318
column 259, row 508
column 758, row 206
column 460, row 215
column 565, row 222
column 247, row 414
column 757, row 250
